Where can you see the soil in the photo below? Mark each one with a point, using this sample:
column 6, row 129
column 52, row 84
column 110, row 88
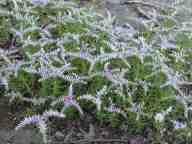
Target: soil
column 7, row 123
column 80, row 131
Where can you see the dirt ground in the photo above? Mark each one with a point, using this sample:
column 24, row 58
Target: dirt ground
column 82, row 131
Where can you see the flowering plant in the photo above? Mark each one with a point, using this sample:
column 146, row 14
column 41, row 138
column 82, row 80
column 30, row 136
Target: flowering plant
column 58, row 48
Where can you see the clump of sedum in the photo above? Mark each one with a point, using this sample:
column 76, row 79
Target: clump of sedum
column 58, row 53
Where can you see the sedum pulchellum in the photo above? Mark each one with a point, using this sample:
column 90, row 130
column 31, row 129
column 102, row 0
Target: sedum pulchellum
column 57, row 44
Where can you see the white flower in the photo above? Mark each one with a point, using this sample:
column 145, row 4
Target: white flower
column 159, row 117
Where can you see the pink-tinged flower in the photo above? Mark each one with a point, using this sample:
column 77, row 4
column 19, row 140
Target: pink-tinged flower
column 68, row 101
column 115, row 78
column 28, row 121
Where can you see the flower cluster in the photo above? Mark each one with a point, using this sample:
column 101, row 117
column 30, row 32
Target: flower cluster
column 68, row 101
column 40, row 122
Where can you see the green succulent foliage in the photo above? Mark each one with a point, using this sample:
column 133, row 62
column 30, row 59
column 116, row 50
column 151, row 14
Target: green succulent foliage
column 59, row 44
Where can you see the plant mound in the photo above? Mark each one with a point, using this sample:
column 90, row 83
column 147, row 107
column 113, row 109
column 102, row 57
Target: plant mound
column 58, row 56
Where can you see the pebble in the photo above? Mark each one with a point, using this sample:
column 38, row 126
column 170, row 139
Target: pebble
column 59, row 136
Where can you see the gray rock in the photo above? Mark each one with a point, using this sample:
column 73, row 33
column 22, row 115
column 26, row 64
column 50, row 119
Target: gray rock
column 59, row 136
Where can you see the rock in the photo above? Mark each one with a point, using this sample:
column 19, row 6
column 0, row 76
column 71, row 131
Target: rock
column 59, row 136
